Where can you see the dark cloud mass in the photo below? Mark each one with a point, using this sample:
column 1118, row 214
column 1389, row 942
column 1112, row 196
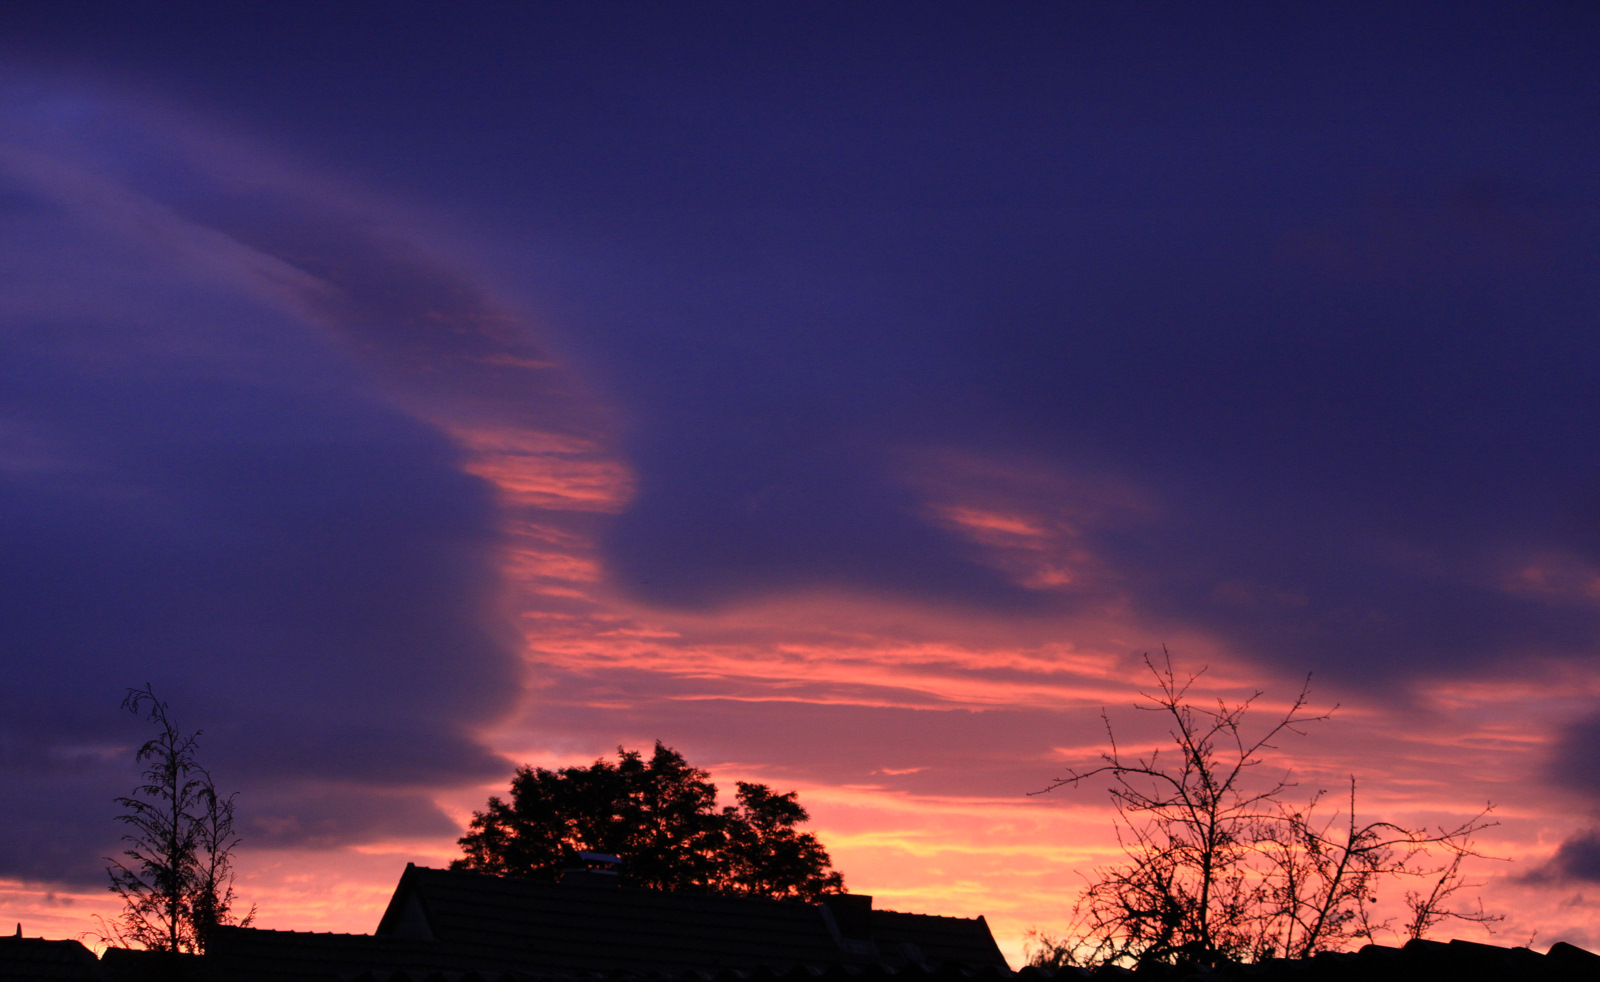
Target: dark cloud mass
column 1326, row 298
column 1386, row 452
column 1316, row 284
column 196, row 491
column 1576, row 860
column 1576, row 764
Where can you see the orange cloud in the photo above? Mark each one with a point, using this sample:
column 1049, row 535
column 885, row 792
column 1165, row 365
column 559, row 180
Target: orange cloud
column 550, row 471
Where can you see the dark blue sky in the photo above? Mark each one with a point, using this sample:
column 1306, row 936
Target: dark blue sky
column 1318, row 283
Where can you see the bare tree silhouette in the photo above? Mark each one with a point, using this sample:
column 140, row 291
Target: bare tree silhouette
column 1218, row 867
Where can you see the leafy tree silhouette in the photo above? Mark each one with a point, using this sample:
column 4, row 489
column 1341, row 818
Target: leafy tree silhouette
column 660, row 817
column 176, row 876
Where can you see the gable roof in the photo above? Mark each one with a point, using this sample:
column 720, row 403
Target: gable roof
column 39, row 960
column 538, row 925
column 935, row 939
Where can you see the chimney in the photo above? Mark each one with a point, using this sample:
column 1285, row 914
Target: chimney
column 593, row 869
column 852, row 914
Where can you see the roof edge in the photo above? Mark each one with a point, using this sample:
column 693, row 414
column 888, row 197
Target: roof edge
column 403, row 891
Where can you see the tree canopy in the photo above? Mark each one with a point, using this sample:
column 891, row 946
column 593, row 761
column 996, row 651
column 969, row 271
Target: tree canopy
column 660, row 816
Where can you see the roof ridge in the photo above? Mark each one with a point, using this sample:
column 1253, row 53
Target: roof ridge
column 635, row 891
column 302, row 934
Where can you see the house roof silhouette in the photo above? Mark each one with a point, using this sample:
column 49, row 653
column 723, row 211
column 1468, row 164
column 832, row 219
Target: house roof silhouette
column 581, row 926
column 450, row 926
column 452, row 922
column 40, row 960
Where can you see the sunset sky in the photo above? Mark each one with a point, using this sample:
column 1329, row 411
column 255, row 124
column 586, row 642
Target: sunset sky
column 846, row 395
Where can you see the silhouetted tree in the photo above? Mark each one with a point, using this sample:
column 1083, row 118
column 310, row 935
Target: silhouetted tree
column 1218, row 868
column 660, row 817
column 766, row 855
column 177, row 881
column 1322, row 877
column 213, row 896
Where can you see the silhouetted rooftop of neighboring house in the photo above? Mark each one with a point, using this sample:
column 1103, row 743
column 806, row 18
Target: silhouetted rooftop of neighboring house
column 578, row 926
column 445, row 924
column 449, row 926
column 137, row 965
column 30, row 959
column 242, row 954
column 1416, row 961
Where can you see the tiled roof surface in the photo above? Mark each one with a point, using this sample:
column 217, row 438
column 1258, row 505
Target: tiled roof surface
column 876, row 972
column 563, row 926
column 1424, row 961
column 244, row 955
column 251, row 955
column 937, row 939
column 30, row 959
column 566, row 927
column 241, row 954
column 1417, row 961
column 137, row 965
